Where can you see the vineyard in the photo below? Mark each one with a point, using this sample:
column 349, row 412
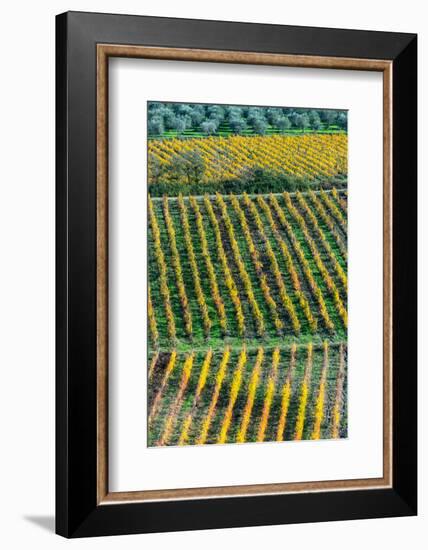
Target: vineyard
column 224, row 268
column 239, row 395
column 225, row 158
column 248, row 284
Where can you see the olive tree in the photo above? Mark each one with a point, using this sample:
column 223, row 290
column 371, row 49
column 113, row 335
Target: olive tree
column 283, row 123
column 216, row 112
column 180, row 124
column 237, row 125
column 197, row 115
column 209, row 127
column 273, row 115
column 342, row 120
column 329, row 117
column 314, row 120
column 259, row 125
column 155, row 125
column 302, row 121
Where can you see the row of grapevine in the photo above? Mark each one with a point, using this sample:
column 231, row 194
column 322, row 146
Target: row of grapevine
column 249, row 395
column 270, row 392
column 234, row 390
column 319, row 406
column 286, row 395
column 194, row 267
column 252, row 387
column 304, row 394
column 309, row 155
column 215, row 293
column 176, row 262
column 175, row 407
column 153, row 327
column 157, row 400
column 245, row 279
column 201, row 384
column 163, row 276
column 227, row 273
column 214, row 399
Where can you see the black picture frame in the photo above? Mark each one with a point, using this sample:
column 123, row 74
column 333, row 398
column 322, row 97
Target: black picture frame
column 77, row 511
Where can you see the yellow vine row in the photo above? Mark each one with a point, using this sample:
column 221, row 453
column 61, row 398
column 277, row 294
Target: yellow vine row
column 234, row 390
column 258, row 316
column 320, row 402
column 218, row 301
column 152, row 365
column 176, row 262
column 286, row 395
column 194, row 267
column 270, row 392
column 304, row 394
column 211, row 410
column 158, row 397
column 152, row 319
column 252, row 388
column 228, row 278
column 184, row 436
column 176, row 405
column 163, row 277
column 335, row 429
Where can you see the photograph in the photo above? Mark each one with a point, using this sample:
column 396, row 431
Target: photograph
column 212, row 274
column 247, row 274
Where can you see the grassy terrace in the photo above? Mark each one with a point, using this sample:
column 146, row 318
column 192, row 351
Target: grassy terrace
column 225, row 131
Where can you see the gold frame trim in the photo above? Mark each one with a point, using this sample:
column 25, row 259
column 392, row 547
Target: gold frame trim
column 104, row 52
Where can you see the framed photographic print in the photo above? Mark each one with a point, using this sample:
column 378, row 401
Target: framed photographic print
column 236, row 274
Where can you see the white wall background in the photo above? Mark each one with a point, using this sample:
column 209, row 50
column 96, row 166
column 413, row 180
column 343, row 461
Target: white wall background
column 27, row 272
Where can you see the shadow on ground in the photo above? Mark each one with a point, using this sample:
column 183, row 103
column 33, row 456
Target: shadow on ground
column 45, row 522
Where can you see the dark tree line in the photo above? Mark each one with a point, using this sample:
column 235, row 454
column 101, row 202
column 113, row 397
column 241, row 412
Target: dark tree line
column 209, row 119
